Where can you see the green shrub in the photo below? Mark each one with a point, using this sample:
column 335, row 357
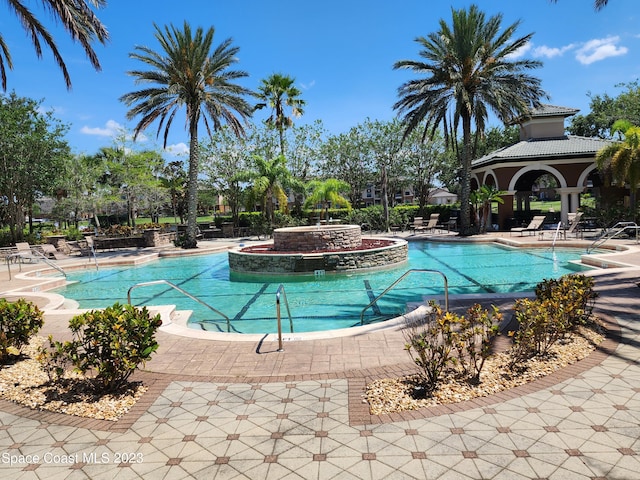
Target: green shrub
column 111, row 343
column 473, row 337
column 559, row 307
column 441, row 340
column 429, row 342
column 19, row 321
column 538, row 329
column 574, row 295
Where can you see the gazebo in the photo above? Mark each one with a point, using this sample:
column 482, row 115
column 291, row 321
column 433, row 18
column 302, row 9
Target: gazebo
column 544, row 148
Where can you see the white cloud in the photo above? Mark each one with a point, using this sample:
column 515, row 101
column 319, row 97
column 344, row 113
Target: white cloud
column 178, row 149
column 550, row 52
column 111, row 129
column 521, row 52
column 307, row 86
column 600, row 49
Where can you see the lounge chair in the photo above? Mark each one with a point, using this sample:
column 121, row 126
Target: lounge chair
column 417, row 224
column 433, row 222
column 25, row 253
column 50, row 251
column 574, row 222
column 452, row 224
column 534, row 226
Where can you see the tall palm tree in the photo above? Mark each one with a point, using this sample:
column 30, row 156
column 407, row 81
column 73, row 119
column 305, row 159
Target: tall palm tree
column 77, row 18
column 186, row 73
column 623, row 158
column 278, row 92
column 467, row 70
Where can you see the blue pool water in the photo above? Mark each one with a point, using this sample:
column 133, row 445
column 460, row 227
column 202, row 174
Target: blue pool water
column 319, row 302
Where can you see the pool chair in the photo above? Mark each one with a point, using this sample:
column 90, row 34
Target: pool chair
column 433, row 222
column 51, row 252
column 574, row 222
column 417, row 224
column 534, row 226
column 25, row 254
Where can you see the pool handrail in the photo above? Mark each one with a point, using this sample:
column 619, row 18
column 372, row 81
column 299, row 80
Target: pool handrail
column 614, row 231
column 184, row 292
column 281, row 292
column 402, row 277
column 40, row 256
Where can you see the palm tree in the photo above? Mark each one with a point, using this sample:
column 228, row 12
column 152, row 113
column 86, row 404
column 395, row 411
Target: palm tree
column 327, row 192
column 76, row 17
column 597, row 4
column 187, row 73
column 484, row 198
column 623, row 158
column 277, row 92
column 270, row 181
column 467, row 70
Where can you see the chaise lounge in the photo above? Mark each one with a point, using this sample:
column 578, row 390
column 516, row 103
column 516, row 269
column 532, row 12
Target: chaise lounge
column 534, row 226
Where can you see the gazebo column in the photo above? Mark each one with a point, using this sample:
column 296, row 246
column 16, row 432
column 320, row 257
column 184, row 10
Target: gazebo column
column 569, row 201
column 505, row 210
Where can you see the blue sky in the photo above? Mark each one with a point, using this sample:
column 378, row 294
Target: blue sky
column 340, row 53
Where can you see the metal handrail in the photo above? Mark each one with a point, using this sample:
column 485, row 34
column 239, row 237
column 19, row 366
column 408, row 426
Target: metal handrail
column 92, row 251
column 281, row 292
column 40, row 255
column 166, row 282
column 375, row 300
column 617, row 229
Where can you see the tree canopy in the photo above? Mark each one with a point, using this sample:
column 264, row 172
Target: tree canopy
column 189, row 72
column 77, row 18
column 466, row 70
column 32, row 156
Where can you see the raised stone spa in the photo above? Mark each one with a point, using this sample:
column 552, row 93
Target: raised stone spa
column 326, row 248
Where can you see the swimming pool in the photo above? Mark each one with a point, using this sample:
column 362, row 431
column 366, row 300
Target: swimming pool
column 320, row 302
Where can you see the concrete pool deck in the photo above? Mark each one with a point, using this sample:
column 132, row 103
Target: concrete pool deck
column 223, row 409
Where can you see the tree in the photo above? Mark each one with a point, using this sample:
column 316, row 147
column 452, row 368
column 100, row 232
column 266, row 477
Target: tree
column 77, row 18
column 186, row 73
column 32, row 156
column 79, row 186
column 606, row 110
column 467, row 71
column 277, row 92
column 174, row 180
column 270, row 181
column 425, row 161
column 344, row 157
column 597, row 4
column 623, row 158
column 484, row 197
column 327, row 192
column 383, row 144
column 226, row 163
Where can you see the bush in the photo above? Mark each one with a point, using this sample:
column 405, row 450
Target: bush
column 19, row 321
column 429, row 341
column 110, row 342
column 441, row 340
column 574, row 295
column 559, row 307
column 473, row 338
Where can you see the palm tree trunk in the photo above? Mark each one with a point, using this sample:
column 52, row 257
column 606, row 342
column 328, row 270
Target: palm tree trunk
column 192, row 190
column 465, row 191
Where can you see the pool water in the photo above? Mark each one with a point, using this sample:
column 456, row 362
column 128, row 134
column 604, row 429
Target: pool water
column 320, row 302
